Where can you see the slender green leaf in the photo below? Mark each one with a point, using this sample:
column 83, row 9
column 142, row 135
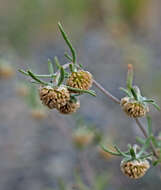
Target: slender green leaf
column 126, row 91
column 140, row 140
column 132, row 152
column 50, row 67
column 91, row 92
column 71, row 68
column 23, row 72
column 154, row 141
column 129, row 76
column 61, row 77
column 146, row 156
column 156, row 162
column 148, row 100
column 134, row 93
column 109, row 151
column 156, row 106
column 149, row 125
column 73, row 52
column 119, row 151
column 68, row 57
column 31, row 74
column 57, row 63
column 145, row 146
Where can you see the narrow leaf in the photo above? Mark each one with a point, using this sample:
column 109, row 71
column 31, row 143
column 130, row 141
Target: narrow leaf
column 129, row 76
column 156, row 162
column 23, row 72
column 50, row 67
column 126, row 91
column 68, row 57
column 146, row 156
column 140, row 140
column 134, row 93
column 109, row 151
column 156, row 106
column 119, row 151
column 71, row 68
column 36, row 79
column 132, row 152
column 73, row 52
column 145, row 146
column 91, row 92
column 149, row 125
column 57, row 63
column 61, row 77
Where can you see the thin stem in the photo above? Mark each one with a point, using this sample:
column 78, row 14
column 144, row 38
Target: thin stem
column 146, row 136
column 107, row 93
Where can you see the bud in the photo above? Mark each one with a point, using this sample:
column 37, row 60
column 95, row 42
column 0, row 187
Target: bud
column 6, row 71
column 133, row 108
column 22, row 90
column 135, row 169
column 80, row 79
column 54, row 97
column 70, row 107
column 38, row 114
column 82, row 137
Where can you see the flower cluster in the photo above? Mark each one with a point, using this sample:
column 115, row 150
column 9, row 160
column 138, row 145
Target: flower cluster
column 66, row 87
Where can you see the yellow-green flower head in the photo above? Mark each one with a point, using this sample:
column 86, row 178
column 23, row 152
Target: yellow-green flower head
column 70, row 107
column 80, row 79
column 54, row 97
column 133, row 108
column 135, row 169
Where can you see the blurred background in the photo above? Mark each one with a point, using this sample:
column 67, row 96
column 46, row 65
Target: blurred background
column 43, row 150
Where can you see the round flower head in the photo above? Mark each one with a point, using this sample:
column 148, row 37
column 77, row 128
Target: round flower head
column 54, row 97
column 135, row 169
column 70, row 107
column 80, row 79
column 133, row 108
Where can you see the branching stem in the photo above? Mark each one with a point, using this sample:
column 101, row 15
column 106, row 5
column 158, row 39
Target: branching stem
column 116, row 100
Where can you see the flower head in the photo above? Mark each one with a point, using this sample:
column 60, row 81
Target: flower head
column 54, row 97
column 133, row 108
column 80, row 79
column 135, row 169
column 70, row 107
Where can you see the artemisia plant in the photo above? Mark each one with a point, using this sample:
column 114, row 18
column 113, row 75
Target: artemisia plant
column 70, row 81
